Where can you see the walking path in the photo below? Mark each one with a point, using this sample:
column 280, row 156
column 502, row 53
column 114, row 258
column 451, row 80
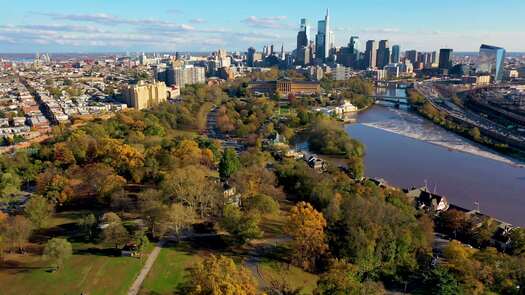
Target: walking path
column 135, row 288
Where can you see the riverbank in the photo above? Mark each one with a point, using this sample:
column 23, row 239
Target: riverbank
column 416, row 127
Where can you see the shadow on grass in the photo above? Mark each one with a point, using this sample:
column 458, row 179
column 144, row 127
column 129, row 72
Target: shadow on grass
column 110, row 252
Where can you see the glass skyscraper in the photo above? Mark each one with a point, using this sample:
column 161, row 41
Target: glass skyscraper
column 491, row 61
column 396, row 50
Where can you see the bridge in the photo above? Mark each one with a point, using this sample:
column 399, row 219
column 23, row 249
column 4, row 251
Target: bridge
column 391, row 99
column 400, row 84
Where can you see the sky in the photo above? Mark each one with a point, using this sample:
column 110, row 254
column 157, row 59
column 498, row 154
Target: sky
column 82, row 26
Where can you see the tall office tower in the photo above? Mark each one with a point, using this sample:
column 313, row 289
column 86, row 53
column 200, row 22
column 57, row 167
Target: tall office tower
column 281, row 55
column 354, row 44
column 396, row 51
column 411, row 55
column 303, row 56
column 250, row 59
column 491, row 61
column 271, row 50
column 303, row 37
column 445, row 58
column 383, row 54
column 371, row 54
column 323, row 39
column 435, row 59
column 426, row 60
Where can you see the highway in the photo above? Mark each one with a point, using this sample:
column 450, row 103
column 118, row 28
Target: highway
column 446, row 106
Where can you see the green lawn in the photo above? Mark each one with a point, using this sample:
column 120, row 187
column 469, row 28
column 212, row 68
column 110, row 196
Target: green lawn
column 88, row 274
column 293, row 276
column 90, row 270
column 169, row 270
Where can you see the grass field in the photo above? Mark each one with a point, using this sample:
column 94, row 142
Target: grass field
column 169, row 270
column 292, row 276
column 90, row 270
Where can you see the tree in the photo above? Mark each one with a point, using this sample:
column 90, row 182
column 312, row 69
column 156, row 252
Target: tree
column 340, row 279
column 180, row 218
column 442, row 282
column 116, row 234
column 306, row 227
column 87, row 224
column 475, row 134
column 243, row 226
column 452, row 222
column 517, row 241
column 17, row 231
column 38, row 210
column 57, row 250
column 9, row 183
column 191, row 186
column 142, row 242
column 263, row 204
column 229, row 163
column 219, row 275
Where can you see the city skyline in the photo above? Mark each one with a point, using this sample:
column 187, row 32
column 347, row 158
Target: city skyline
column 97, row 26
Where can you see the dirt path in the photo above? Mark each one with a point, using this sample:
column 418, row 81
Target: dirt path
column 135, row 287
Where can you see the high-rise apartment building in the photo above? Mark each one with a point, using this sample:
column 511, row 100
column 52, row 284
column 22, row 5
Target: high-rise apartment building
column 185, row 75
column 144, row 95
column 371, row 54
column 491, row 61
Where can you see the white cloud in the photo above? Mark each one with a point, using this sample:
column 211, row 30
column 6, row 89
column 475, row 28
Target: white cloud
column 271, row 22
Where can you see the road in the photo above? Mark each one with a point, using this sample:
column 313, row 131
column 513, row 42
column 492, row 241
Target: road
column 213, row 132
column 464, row 115
column 137, row 284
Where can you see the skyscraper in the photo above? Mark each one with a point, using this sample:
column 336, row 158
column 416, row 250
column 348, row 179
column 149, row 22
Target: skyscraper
column 411, row 55
column 491, row 61
column 250, row 59
column 303, row 37
column 323, row 39
column 396, row 51
column 371, row 54
column 383, row 54
column 445, row 58
column 354, row 44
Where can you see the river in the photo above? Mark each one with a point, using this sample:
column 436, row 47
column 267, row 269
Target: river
column 406, row 151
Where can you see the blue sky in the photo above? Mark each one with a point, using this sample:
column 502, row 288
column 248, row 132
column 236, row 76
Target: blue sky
column 202, row 25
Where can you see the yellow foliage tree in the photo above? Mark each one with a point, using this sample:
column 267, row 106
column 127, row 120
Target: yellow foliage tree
column 306, row 227
column 219, row 275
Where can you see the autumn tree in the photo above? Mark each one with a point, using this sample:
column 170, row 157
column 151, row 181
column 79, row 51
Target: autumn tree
column 38, row 209
column 180, row 218
column 229, row 163
column 17, row 231
column 341, row 279
column 219, row 275
column 192, row 187
column 9, row 183
column 57, row 250
column 306, row 227
column 114, row 232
